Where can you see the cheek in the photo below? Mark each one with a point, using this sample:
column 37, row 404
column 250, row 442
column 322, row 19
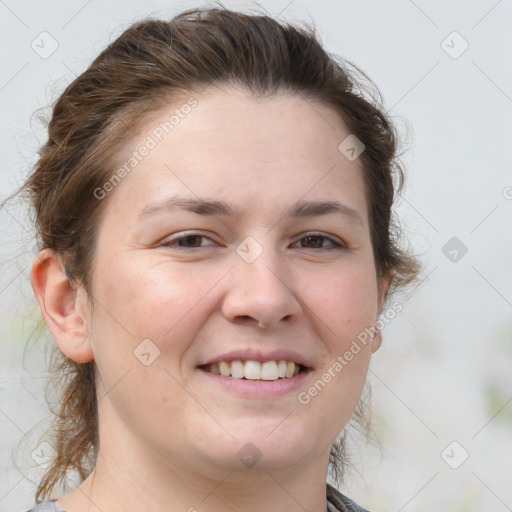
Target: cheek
column 346, row 305
column 161, row 301
column 173, row 299
column 344, row 299
column 133, row 307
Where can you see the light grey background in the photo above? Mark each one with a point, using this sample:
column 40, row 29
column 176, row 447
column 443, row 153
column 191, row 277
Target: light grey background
column 443, row 373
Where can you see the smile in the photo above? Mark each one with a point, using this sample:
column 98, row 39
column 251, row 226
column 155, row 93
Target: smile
column 255, row 370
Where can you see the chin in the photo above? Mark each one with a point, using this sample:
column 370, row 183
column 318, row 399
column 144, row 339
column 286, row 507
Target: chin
column 265, row 448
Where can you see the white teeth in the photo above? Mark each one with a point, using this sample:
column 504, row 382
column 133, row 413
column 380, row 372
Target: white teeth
column 224, row 369
column 269, row 371
column 237, row 369
column 255, row 370
column 290, row 369
column 252, row 370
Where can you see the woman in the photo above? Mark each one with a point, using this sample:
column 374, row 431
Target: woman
column 217, row 244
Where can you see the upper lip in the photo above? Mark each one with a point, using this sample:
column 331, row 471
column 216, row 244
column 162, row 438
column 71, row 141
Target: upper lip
column 260, row 355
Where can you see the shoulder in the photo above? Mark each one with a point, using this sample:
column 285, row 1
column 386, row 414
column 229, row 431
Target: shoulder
column 46, row 506
column 338, row 502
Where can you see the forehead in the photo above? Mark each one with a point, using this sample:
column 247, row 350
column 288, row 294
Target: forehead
column 226, row 143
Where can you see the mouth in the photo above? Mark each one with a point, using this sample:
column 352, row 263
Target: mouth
column 255, row 370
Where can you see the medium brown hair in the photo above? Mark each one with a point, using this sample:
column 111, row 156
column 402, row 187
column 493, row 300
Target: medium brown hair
column 153, row 63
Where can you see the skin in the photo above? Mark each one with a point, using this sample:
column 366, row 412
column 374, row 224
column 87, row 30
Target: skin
column 168, row 437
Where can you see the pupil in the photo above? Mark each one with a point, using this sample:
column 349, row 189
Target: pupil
column 190, row 239
column 314, row 238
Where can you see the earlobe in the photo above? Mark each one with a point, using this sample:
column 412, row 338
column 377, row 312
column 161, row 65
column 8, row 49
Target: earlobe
column 62, row 306
column 384, row 283
column 383, row 288
column 376, row 341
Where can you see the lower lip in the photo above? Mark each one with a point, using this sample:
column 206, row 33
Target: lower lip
column 258, row 388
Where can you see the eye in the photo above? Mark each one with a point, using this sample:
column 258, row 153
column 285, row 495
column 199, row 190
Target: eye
column 196, row 240
column 189, row 241
column 317, row 241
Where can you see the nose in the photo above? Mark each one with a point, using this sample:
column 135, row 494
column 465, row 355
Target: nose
column 261, row 293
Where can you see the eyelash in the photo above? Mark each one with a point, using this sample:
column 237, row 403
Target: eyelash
column 172, row 243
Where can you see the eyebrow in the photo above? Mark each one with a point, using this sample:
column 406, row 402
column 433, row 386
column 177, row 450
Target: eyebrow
column 211, row 207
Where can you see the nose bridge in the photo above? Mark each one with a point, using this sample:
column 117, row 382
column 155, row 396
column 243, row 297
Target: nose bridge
column 260, row 287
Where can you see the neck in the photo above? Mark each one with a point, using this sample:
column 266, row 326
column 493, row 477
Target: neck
column 132, row 474
column 136, row 479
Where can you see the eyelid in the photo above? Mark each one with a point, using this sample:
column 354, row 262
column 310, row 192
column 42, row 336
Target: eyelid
column 172, row 241
column 337, row 242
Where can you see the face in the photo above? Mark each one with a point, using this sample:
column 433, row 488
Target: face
column 246, row 213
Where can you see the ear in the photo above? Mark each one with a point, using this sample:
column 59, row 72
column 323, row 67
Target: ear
column 63, row 306
column 383, row 287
